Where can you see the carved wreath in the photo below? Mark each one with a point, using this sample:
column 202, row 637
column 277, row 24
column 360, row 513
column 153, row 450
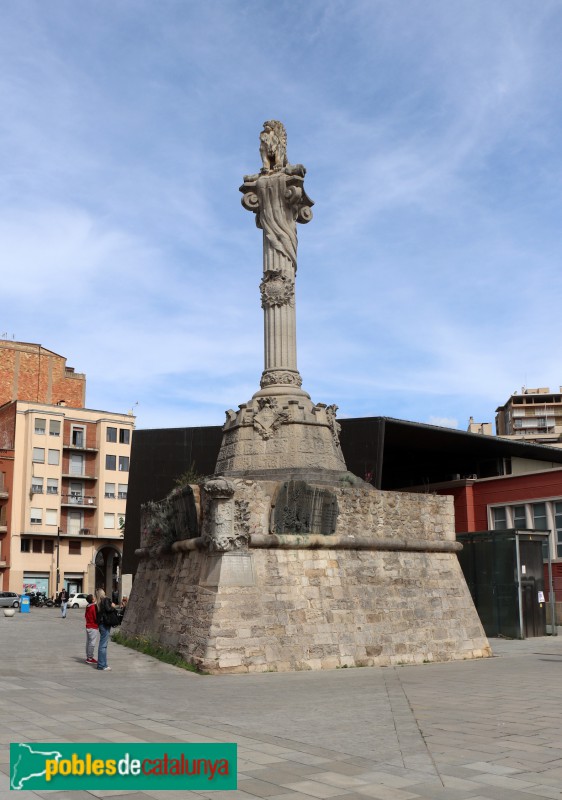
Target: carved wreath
column 276, row 290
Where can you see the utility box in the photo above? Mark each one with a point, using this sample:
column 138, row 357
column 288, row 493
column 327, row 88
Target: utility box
column 24, row 604
column 504, row 571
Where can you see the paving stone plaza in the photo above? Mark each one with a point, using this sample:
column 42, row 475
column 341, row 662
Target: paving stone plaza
column 486, row 729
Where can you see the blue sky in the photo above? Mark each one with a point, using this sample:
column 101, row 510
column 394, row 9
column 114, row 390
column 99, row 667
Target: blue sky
column 429, row 284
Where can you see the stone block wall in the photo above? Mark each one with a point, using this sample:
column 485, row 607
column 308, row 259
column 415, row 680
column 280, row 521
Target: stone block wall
column 310, row 609
column 293, row 607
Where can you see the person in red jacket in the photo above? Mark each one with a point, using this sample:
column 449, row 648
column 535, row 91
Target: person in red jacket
column 91, row 629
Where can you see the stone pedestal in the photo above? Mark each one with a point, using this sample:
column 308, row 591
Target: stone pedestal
column 282, row 432
column 386, row 588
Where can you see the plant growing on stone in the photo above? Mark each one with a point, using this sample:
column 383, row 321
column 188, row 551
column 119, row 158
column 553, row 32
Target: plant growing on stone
column 191, row 475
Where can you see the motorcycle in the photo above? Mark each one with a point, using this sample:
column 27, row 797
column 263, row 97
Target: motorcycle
column 39, row 599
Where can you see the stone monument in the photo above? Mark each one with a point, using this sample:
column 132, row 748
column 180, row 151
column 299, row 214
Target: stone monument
column 280, row 431
column 283, row 560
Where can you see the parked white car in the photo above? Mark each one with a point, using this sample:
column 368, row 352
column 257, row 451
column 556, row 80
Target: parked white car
column 77, row 601
column 9, row 600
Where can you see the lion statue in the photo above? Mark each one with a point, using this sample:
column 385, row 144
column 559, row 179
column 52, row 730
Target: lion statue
column 273, row 146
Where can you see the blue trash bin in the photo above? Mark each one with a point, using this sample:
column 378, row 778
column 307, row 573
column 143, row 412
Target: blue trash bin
column 24, row 604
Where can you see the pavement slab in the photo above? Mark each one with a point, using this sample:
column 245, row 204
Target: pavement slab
column 467, row 730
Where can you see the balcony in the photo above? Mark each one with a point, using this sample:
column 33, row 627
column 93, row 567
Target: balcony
column 4, row 493
column 79, row 477
column 80, row 447
column 82, row 532
column 80, row 500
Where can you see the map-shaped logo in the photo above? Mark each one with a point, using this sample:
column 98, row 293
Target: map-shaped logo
column 29, row 762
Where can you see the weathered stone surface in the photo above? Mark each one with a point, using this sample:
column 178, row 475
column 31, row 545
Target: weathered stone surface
column 171, row 519
column 315, row 609
column 303, row 508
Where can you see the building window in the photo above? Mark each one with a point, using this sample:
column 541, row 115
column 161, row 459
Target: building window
column 123, row 463
column 124, row 435
column 54, row 427
column 39, row 455
column 54, row 457
column 499, row 519
column 519, row 517
column 122, row 491
column 37, row 545
column 74, row 548
column 51, row 516
column 109, row 521
column 40, row 426
column 75, row 522
column 48, row 546
column 539, row 517
column 110, row 490
column 25, row 545
column 52, row 485
column 111, row 435
column 78, row 435
column 110, row 462
column 37, row 485
column 121, row 521
column 76, row 464
column 535, row 516
column 36, row 516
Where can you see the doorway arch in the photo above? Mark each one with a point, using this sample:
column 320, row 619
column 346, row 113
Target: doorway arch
column 108, row 566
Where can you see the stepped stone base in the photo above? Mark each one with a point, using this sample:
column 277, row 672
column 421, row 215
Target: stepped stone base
column 386, row 589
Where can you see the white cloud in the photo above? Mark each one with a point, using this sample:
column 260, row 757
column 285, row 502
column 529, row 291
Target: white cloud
column 429, row 276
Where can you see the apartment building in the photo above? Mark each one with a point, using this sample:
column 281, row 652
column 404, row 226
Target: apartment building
column 65, row 498
column 535, row 415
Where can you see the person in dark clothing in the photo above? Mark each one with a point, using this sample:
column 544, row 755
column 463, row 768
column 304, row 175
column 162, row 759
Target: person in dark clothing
column 63, row 597
column 104, row 607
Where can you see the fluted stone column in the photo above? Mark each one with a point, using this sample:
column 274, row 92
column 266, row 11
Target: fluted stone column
column 279, row 428
column 279, row 201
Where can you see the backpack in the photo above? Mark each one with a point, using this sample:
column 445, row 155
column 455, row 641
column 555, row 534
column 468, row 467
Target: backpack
column 109, row 616
column 113, row 618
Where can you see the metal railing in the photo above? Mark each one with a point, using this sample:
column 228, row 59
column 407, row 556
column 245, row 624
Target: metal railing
column 78, row 499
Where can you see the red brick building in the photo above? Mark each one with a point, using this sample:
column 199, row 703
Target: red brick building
column 31, row 372
column 529, row 501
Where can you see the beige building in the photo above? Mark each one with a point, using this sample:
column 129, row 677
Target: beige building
column 483, row 428
column 535, row 415
column 67, row 496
